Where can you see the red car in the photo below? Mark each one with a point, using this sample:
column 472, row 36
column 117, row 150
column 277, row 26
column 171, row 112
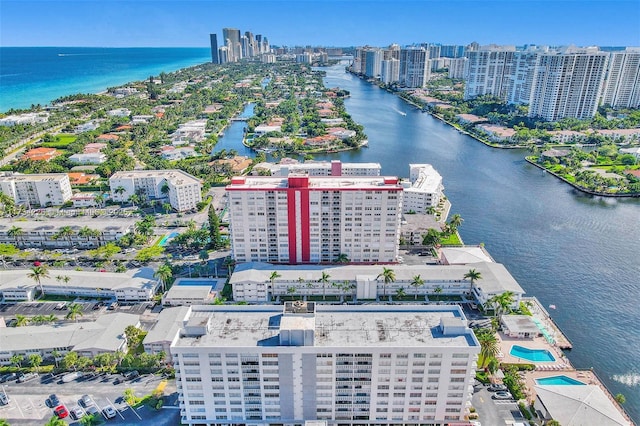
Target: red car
column 61, row 411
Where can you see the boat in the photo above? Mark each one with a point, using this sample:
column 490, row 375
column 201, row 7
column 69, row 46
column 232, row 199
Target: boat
column 365, row 143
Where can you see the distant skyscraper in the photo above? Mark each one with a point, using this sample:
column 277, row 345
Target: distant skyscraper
column 214, row 48
column 568, row 84
column 622, row 86
column 390, row 71
column 374, row 62
column 451, row 51
column 456, row 67
column 414, row 67
column 233, row 43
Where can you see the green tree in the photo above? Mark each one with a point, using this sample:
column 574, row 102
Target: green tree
column 502, row 302
column 38, row 273
column 90, row 420
column 16, row 360
column 74, row 311
column 119, row 191
column 432, row 238
column 64, row 233
column 324, row 279
column 70, row 361
column 3, row 422
column 149, row 253
column 21, row 320
column 416, row 283
column 273, row 277
column 35, row 360
column 214, row 229
column 342, row 258
column 489, row 346
column 620, row 398
column 164, row 273
column 472, row 275
column 55, row 421
column 455, row 222
column 16, row 233
column 389, row 276
column 400, row 293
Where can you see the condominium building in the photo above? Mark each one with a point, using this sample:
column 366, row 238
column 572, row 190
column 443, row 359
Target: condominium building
column 338, row 365
column 310, row 219
column 321, row 168
column 456, row 67
column 181, row 189
column 424, row 189
column 622, row 85
column 37, row 190
column 414, row 67
column 568, row 84
column 253, row 282
column 374, row 63
column 390, row 71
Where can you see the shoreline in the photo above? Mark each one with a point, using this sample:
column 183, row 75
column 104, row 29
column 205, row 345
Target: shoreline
column 501, row 146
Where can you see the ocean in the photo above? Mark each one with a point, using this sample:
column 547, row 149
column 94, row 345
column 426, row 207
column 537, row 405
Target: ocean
column 38, row 75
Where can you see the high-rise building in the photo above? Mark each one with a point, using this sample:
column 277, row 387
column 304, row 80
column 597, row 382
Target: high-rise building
column 390, row 71
column 36, row 190
column 214, row 48
column 182, row 190
column 568, row 84
column 374, row 63
column 311, row 219
column 309, row 364
column 414, row 67
column 232, row 41
column 456, row 67
column 622, row 84
column 452, row 51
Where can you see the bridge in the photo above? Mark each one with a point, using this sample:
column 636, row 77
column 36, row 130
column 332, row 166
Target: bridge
column 239, row 118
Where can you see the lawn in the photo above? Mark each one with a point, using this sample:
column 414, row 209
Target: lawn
column 451, row 240
column 62, row 141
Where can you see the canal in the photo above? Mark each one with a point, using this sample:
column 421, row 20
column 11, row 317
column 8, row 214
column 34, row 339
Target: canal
column 577, row 252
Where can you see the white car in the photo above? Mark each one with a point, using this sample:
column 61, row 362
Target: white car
column 76, row 413
column 109, row 412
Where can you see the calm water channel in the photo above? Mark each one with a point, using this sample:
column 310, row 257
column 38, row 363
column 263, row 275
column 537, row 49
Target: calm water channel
column 579, row 253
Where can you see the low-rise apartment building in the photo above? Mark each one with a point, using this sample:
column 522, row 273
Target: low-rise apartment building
column 36, row 190
column 424, row 191
column 182, row 190
column 254, row 282
column 347, row 365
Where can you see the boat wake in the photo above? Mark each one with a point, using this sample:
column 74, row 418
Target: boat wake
column 400, row 112
column 629, row 379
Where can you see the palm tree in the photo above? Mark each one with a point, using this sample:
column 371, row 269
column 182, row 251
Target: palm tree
column 55, row 421
column 502, row 302
column 273, row 277
column 291, row 290
column 66, row 232
column 63, row 278
column 75, row 310
column 416, row 283
column 489, row 346
column 472, row 275
column 17, row 360
column 400, row 293
column 324, row 279
column 38, row 273
column 164, row 274
column 342, row 258
column 119, row 191
column 21, row 320
column 35, row 360
column 87, row 233
column 388, row 276
column 15, row 232
column 135, row 198
column 455, row 222
column 432, row 238
column 56, row 356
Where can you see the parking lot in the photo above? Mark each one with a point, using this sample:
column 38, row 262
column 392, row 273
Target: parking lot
column 30, row 309
column 29, row 403
column 493, row 411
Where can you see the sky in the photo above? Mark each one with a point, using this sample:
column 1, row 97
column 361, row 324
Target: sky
column 186, row 23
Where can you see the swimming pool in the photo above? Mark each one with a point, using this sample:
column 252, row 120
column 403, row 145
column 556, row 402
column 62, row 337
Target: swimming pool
column 534, row 355
column 558, row 380
column 166, row 238
column 196, row 282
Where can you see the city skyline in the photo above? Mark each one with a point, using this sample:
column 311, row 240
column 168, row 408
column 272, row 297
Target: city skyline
column 171, row 23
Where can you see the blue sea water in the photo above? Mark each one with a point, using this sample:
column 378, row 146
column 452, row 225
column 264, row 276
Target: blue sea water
column 38, row 75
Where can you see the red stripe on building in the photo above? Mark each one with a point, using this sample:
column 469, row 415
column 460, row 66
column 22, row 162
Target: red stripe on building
column 291, row 219
column 305, row 222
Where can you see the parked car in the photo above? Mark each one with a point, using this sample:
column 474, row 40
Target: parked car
column 86, row 400
column 77, row 413
column 61, row 411
column 4, row 398
column 109, row 412
column 496, row 387
column 502, row 395
column 130, row 375
column 8, row 377
column 93, row 410
column 53, row 400
column 26, row 377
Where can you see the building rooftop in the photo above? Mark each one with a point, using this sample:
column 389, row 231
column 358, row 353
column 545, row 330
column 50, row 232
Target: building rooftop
column 313, row 182
column 135, row 278
column 53, row 224
column 33, row 177
column 169, row 322
column 464, row 255
column 520, row 324
column 580, row 405
column 335, row 326
column 495, row 277
column 104, row 334
column 175, row 176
